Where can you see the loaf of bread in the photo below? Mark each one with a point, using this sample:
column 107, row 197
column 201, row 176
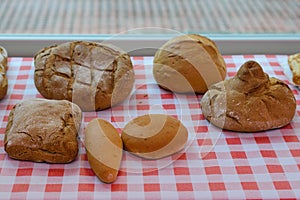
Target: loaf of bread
column 42, row 130
column 104, row 149
column 154, row 136
column 3, row 67
column 294, row 63
column 188, row 64
column 249, row 102
column 92, row 75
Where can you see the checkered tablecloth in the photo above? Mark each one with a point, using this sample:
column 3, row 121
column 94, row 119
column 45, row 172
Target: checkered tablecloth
column 215, row 164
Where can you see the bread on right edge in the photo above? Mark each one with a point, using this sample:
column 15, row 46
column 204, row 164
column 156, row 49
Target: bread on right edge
column 249, row 102
column 3, row 78
column 294, row 63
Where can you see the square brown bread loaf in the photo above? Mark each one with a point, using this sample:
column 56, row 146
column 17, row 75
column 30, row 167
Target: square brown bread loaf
column 43, row 130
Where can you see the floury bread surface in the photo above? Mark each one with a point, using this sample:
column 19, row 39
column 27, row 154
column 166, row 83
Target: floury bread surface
column 249, row 102
column 94, row 76
column 188, row 64
column 42, row 130
column 3, row 67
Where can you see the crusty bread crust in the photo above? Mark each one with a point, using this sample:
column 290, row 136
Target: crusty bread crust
column 42, row 130
column 92, row 75
column 249, row 102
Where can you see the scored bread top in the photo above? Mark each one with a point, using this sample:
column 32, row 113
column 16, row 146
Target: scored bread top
column 95, row 76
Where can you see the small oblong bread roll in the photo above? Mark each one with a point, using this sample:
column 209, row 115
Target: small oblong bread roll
column 104, row 149
column 251, row 101
column 42, row 130
column 95, row 76
column 3, row 78
column 154, row 136
column 188, row 64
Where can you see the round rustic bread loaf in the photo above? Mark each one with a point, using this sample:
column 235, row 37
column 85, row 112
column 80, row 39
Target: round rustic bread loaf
column 154, row 136
column 3, row 78
column 188, row 64
column 92, row 75
column 249, row 102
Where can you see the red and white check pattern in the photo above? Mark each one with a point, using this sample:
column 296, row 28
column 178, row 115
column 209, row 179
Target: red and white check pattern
column 215, row 163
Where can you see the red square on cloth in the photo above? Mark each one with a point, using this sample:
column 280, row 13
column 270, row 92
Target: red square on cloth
column 244, row 170
column 268, row 153
column 118, row 187
column 184, row 187
column 233, row 141
column 201, row 129
column 217, row 186
column 20, row 188
column 152, row 187
column 53, row 187
column 295, row 152
column 249, row 185
column 262, row 140
column 291, row 138
column 282, row 185
column 204, row 142
column 275, row 168
column 181, row 171
column 208, row 156
column 86, row 187
column 213, row 170
column 24, row 172
column 238, row 155
column 86, row 172
column 56, row 172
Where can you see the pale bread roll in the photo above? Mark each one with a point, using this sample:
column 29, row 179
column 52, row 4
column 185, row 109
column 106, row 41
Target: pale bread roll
column 104, row 149
column 154, row 136
column 188, row 64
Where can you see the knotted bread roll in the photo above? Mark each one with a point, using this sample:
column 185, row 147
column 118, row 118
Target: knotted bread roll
column 249, row 102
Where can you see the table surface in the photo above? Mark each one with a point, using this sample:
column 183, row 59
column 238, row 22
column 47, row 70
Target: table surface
column 214, row 164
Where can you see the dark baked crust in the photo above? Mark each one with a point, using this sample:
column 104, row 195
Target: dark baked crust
column 43, row 130
column 249, row 102
column 92, row 75
column 3, row 78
